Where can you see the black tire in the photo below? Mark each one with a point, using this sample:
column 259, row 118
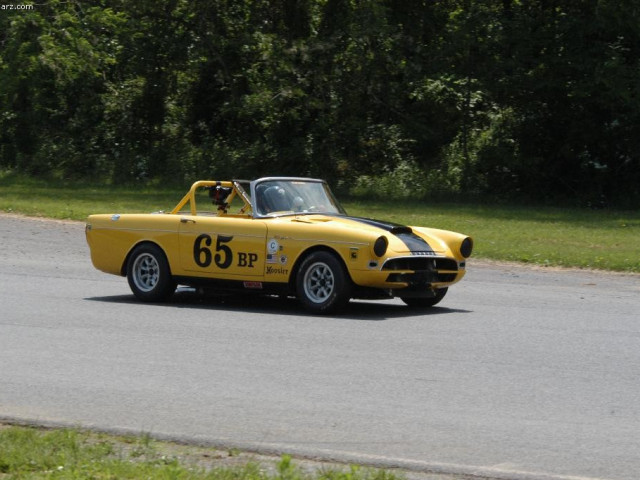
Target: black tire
column 149, row 275
column 322, row 284
column 422, row 302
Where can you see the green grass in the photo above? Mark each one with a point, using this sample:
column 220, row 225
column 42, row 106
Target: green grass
column 29, row 453
column 76, row 201
column 552, row 236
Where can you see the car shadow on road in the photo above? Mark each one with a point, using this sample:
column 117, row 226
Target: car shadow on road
column 287, row 306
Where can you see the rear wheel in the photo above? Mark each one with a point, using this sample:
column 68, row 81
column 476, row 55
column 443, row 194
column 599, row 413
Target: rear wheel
column 149, row 275
column 427, row 302
column 322, row 284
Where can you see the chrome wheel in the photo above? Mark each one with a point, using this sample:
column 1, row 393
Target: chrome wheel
column 149, row 274
column 319, row 282
column 146, row 272
column 322, row 283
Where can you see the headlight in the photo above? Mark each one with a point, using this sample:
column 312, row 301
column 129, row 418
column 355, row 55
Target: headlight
column 380, row 246
column 466, row 247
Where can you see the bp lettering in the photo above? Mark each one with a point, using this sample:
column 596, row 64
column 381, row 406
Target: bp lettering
column 247, row 259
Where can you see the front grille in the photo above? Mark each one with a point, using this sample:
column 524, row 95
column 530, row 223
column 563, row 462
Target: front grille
column 425, row 271
column 421, row 278
column 421, row 263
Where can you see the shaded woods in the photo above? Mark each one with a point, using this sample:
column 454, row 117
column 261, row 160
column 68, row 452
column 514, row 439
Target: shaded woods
column 521, row 100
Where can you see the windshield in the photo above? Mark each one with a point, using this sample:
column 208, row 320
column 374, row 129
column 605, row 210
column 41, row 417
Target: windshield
column 275, row 197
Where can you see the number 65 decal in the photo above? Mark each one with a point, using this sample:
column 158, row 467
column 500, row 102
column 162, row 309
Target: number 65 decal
column 202, row 254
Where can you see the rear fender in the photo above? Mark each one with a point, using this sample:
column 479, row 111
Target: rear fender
column 123, row 268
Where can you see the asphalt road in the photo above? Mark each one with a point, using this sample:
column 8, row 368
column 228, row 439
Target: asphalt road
column 519, row 373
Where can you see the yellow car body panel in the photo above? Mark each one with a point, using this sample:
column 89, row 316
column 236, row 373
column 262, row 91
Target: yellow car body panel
column 254, row 248
column 112, row 237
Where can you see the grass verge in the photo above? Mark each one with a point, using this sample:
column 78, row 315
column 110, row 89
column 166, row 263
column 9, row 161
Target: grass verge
column 550, row 236
column 32, row 453
column 547, row 236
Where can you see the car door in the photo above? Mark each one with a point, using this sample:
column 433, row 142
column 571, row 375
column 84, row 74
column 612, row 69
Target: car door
column 222, row 247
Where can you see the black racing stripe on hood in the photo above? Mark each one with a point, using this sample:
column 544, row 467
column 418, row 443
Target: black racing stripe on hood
column 413, row 242
column 388, row 226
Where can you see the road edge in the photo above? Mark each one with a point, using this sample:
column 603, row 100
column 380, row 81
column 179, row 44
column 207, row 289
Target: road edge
column 411, row 469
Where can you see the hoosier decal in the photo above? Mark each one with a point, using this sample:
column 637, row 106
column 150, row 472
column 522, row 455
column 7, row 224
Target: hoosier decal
column 277, row 270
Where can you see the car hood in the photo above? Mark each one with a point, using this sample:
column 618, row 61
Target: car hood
column 402, row 239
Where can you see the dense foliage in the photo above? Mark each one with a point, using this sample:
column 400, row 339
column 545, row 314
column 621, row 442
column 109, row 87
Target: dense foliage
column 536, row 99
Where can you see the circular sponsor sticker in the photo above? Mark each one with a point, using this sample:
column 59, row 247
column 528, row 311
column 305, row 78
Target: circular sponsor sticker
column 272, row 246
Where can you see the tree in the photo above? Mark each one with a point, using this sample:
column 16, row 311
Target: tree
column 534, row 99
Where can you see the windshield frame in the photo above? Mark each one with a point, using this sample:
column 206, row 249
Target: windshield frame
column 330, row 197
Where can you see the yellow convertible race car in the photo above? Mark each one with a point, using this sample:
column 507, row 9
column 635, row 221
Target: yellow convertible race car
column 276, row 235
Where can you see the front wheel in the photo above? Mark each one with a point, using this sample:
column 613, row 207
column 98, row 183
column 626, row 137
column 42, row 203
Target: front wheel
column 427, row 302
column 322, row 284
column 149, row 275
